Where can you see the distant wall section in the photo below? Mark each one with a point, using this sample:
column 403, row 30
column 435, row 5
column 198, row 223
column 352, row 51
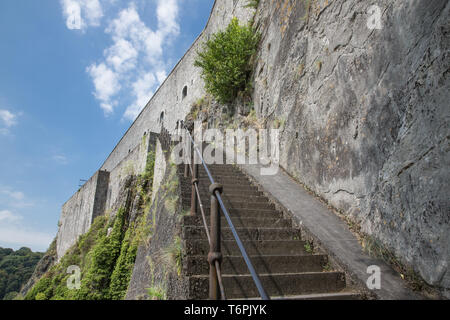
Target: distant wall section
column 79, row 212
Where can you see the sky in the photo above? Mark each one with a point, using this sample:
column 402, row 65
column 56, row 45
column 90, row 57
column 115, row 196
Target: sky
column 74, row 74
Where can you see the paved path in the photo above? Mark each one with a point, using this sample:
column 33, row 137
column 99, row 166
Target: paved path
column 333, row 233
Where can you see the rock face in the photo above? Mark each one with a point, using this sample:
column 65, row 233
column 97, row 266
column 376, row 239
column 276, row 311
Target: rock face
column 42, row 267
column 363, row 94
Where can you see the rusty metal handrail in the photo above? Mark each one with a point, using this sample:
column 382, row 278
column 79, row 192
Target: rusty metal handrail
column 215, row 256
column 205, row 224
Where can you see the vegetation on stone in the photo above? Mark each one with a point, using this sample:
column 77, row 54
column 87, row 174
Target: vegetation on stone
column 225, row 61
column 105, row 254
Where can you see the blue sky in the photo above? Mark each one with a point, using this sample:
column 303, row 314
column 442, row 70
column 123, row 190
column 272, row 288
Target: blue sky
column 73, row 76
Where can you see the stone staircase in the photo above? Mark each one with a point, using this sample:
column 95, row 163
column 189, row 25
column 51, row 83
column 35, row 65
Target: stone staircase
column 286, row 269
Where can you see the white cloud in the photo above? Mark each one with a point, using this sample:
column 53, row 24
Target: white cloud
column 6, row 215
column 161, row 75
column 167, row 12
column 19, row 236
column 135, row 61
column 8, row 118
column 81, row 14
column 15, row 195
column 122, row 56
column 11, row 198
column 60, row 158
column 106, row 85
column 11, row 194
column 142, row 90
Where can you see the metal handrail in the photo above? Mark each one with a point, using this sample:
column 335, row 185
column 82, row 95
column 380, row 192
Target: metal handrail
column 205, row 224
column 247, row 260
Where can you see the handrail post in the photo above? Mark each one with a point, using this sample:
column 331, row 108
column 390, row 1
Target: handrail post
column 215, row 253
column 194, row 201
column 186, row 143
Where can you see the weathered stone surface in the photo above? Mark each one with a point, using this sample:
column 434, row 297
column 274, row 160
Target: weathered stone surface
column 151, row 269
column 130, row 154
column 79, row 212
column 42, row 267
column 364, row 111
column 168, row 99
column 366, row 115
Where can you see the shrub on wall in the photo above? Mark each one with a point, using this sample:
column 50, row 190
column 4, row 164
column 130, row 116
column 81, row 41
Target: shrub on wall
column 225, row 61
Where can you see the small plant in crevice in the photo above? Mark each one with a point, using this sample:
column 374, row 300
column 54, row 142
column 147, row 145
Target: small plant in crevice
column 252, row 4
column 156, row 293
column 171, row 204
column 308, row 247
column 376, row 249
column 328, row 267
column 173, row 255
column 279, row 123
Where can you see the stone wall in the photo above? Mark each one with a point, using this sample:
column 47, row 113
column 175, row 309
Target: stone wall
column 80, row 210
column 168, row 99
column 130, row 154
column 152, row 269
column 133, row 164
column 365, row 115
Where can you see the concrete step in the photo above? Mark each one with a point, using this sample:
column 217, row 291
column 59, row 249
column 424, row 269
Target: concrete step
column 232, row 195
column 225, row 176
column 190, row 232
column 226, row 188
column 242, row 286
column 342, row 295
column 247, row 213
column 253, row 247
column 266, row 264
column 244, row 197
column 240, row 222
column 244, row 205
column 225, row 181
column 232, row 201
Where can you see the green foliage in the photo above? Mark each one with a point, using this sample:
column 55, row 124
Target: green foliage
column 146, row 179
column 156, row 293
column 95, row 285
column 95, row 253
column 252, row 4
column 308, row 247
column 122, row 272
column 173, row 255
column 225, row 61
column 16, row 267
column 106, row 259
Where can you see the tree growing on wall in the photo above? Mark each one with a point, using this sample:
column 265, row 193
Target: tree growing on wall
column 225, row 61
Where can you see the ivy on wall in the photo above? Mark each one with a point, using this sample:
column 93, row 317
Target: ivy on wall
column 105, row 254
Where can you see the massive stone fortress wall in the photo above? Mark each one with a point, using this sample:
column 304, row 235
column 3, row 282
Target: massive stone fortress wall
column 80, row 210
column 365, row 107
column 169, row 104
column 181, row 89
column 364, row 113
